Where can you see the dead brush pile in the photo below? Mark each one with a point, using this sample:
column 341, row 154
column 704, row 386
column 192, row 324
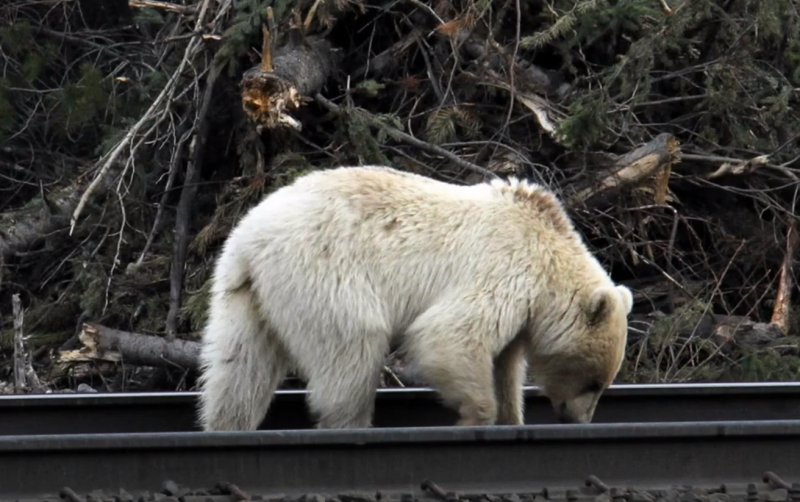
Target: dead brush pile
column 134, row 133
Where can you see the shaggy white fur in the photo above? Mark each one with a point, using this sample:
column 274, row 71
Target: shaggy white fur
column 474, row 283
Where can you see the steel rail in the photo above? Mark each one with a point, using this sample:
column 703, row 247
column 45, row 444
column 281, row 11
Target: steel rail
column 418, row 407
column 523, row 459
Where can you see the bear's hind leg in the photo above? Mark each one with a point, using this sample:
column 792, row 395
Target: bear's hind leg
column 342, row 388
column 509, row 375
column 243, row 364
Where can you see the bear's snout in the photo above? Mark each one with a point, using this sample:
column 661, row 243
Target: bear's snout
column 579, row 410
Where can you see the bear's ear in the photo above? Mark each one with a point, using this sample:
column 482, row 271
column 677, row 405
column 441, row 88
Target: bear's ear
column 627, row 298
column 600, row 305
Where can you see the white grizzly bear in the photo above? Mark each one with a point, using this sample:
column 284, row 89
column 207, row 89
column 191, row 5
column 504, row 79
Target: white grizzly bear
column 473, row 284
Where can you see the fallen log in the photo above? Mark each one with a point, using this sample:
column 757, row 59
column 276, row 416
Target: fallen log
column 104, row 344
column 632, row 168
column 26, row 227
column 101, row 343
column 286, row 79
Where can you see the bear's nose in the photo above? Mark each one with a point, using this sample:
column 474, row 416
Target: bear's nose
column 565, row 416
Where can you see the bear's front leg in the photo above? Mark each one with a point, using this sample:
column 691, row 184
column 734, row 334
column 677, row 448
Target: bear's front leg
column 451, row 344
column 467, row 387
column 462, row 376
column 509, row 375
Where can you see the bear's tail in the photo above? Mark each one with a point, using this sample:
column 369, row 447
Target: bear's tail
column 241, row 363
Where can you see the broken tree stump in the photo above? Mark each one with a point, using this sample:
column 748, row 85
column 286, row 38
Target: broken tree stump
column 286, row 79
column 632, row 168
column 780, row 314
column 25, row 378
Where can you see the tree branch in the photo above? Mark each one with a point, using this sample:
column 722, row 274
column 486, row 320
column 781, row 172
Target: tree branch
column 192, row 49
column 185, row 206
column 433, row 149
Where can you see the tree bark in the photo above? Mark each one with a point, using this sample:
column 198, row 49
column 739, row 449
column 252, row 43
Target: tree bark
column 107, row 344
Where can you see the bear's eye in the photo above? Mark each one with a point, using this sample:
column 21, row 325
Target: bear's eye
column 592, row 387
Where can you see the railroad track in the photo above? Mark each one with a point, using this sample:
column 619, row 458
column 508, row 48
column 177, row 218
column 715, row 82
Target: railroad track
column 632, row 460
column 176, row 412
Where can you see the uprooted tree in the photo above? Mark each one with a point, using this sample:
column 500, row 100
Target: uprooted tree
column 133, row 134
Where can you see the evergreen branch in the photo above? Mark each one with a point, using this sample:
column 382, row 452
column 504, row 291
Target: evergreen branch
column 433, row 149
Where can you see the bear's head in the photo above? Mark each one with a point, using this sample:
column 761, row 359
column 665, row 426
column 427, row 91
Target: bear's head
column 578, row 368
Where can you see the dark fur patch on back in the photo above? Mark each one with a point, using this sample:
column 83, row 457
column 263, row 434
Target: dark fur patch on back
column 542, row 201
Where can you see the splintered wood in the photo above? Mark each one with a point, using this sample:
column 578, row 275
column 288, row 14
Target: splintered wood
column 285, row 79
column 780, row 314
column 634, row 167
column 25, row 378
column 107, row 344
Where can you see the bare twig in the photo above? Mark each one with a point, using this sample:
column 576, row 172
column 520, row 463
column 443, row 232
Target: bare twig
column 394, row 376
column 192, row 49
column 177, row 155
column 512, row 64
column 739, row 167
column 185, row 207
column 310, row 15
